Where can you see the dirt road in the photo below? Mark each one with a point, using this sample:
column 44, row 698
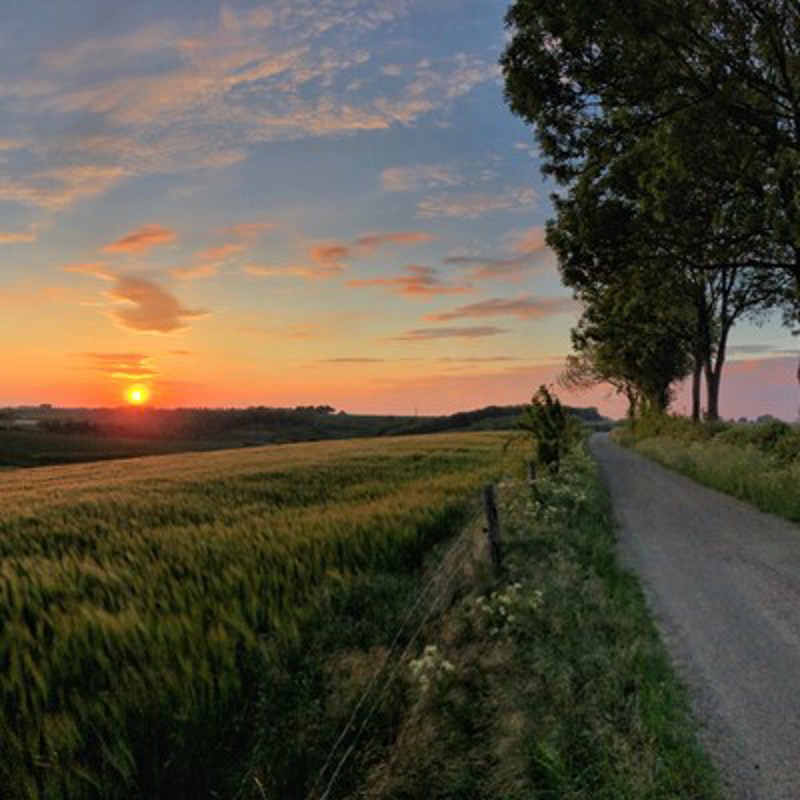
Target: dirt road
column 723, row 580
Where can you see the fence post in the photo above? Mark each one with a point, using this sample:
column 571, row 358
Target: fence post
column 492, row 528
column 531, row 473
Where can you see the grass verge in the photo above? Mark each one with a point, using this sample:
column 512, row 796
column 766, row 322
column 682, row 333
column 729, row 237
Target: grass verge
column 759, row 463
column 548, row 682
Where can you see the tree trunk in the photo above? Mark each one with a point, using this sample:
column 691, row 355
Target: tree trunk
column 697, row 377
column 712, row 392
column 713, row 370
column 631, row 395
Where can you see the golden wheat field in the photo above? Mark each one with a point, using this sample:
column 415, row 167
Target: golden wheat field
column 135, row 594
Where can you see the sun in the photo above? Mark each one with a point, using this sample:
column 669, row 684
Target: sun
column 137, row 395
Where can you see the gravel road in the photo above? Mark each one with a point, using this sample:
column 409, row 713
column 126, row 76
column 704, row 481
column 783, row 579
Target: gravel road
column 723, row 580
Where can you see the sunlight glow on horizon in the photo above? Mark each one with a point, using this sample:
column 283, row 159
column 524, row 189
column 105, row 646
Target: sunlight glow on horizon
column 137, row 395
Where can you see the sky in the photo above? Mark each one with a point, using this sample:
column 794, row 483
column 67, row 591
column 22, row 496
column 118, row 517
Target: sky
column 282, row 203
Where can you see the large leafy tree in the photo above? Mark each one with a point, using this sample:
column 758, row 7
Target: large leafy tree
column 691, row 219
column 648, row 130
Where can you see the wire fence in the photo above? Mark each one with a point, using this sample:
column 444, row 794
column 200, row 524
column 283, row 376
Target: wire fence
column 435, row 591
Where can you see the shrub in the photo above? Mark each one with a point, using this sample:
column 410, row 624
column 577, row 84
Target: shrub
column 552, row 429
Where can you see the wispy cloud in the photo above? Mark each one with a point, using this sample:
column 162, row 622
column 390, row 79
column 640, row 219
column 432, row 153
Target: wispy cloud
column 294, row 331
column 773, row 350
column 178, row 97
column 289, row 271
column 142, row 240
column 18, row 237
column 471, row 205
column 123, row 366
column 488, row 268
column 525, row 308
column 351, row 360
column 420, row 176
column 529, row 242
column 147, row 307
column 425, row 334
column 415, row 282
column 58, row 188
column 247, row 231
column 475, row 359
column 94, row 269
column 195, row 272
column 334, row 255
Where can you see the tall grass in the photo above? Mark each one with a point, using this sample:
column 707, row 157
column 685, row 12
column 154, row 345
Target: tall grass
column 559, row 685
column 135, row 597
column 758, row 463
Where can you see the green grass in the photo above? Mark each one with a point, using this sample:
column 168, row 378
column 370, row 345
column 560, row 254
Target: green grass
column 561, row 688
column 757, row 463
column 21, row 448
column 144, row 604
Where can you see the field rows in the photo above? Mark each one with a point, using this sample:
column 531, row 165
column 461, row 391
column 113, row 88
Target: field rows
column 137, row 596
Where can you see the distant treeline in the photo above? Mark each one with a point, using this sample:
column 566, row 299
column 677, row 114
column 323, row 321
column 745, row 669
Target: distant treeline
column 260, row 424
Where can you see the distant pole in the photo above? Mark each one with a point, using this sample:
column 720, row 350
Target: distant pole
column 493, row 526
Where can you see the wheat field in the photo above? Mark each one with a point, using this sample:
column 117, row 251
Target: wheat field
column 136, row 596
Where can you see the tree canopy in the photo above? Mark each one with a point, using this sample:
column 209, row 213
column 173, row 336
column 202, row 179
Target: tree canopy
column 673, row 128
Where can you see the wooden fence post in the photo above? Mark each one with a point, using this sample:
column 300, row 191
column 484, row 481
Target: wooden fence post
column 493, row 525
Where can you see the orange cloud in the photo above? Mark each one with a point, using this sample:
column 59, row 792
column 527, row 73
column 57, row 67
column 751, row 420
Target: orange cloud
column 334, row 254
column 529, row 241
column 210, row 261
column 418, row 281
column 18, row 237
column 221, row 252
column 142, row 240
column 527, row 308
column 331, row 256
column 288, row 271
column 351, row 360
column 373, row 240
column 193, row 273
column 485, row 268
column 424, row 334
column 123, row 366
column 148, row 307
column 95, row 269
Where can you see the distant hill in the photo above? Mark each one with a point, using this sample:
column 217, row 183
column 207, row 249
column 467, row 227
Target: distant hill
column 45, row 435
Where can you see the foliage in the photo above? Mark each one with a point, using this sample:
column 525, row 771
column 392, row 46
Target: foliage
column 621, row 103
column 139, row 597
column 550, row 426
column 632, row 335
column 561, row 687
column 758, row 462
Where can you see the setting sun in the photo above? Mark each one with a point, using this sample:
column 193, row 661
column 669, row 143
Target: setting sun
column 137, row 395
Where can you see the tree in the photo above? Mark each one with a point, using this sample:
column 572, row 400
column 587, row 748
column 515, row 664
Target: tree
column 631, row 336
column 619, row 124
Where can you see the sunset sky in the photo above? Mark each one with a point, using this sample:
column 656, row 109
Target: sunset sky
column 281, row 203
